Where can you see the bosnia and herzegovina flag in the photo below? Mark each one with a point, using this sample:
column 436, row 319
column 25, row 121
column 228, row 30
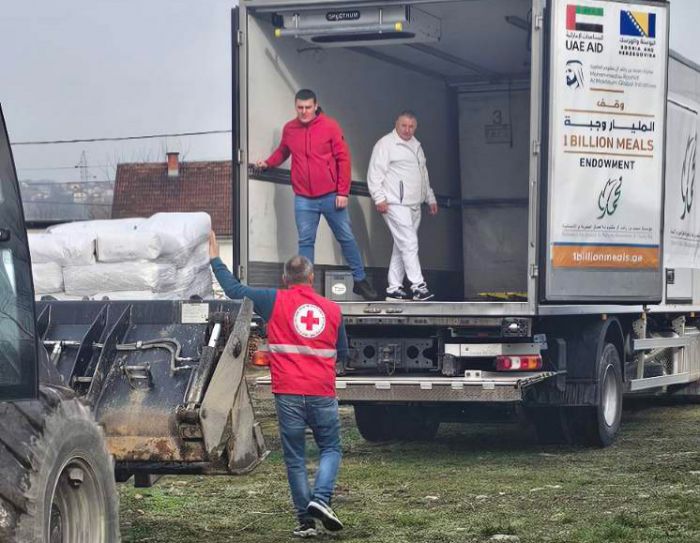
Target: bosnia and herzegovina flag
column 637, row 23
column 584, row 18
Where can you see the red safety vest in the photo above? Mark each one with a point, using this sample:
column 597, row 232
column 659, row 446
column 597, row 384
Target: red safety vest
column 302, row 335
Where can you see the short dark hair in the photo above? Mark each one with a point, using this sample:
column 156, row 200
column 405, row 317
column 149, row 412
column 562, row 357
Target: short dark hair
column 305, row 94
column 298, row 270
column 407, row 113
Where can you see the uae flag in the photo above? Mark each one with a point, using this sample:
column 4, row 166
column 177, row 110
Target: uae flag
column 584, row 19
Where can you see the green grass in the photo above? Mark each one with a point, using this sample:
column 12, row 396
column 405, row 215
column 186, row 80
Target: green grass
column 472, row 482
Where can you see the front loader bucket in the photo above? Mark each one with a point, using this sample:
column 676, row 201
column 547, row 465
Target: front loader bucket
column 164, row 378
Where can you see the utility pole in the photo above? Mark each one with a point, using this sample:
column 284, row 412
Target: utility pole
column 83, row 165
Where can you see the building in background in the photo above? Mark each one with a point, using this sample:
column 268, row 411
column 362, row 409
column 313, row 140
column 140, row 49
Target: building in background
column 142, row 189
column 50, row 202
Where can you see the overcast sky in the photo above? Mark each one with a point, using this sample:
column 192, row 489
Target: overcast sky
column 101, row 68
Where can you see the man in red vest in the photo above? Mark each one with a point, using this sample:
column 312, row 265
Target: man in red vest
column 306, row 335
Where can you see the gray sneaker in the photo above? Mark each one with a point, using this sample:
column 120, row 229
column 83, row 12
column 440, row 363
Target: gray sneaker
column 306, row 528
column 398, row 294
column 325, row 514
column 421, row 293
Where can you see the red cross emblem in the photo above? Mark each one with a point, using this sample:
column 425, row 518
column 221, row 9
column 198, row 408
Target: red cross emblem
column 309, row 320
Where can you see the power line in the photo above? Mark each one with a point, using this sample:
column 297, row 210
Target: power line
column 87, row 204
column 61, row 167
column 124, row 138
column 31, row 184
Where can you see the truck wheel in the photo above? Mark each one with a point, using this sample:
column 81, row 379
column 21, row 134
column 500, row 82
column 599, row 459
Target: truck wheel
column 58, row 476
column 598, row 425
column 375, row 422
column 414, row 424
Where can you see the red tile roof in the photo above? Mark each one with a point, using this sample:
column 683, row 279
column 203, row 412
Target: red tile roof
column 142, row 189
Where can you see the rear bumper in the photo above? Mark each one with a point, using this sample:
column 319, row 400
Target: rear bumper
column 475, row 387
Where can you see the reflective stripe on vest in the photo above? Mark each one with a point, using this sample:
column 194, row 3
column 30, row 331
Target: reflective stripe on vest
column 299, row 349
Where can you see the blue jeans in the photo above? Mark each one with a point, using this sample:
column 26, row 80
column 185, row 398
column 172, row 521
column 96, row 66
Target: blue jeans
column 320, row 413
column 308, row 211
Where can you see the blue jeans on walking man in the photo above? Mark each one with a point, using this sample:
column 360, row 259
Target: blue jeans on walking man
column 320, row 413
column 307, row 213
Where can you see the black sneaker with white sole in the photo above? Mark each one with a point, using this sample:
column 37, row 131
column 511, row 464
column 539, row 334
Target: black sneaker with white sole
column 398, row 294
column 364, row 289
column 421, row 293
column 306, row 528
column 325, row 514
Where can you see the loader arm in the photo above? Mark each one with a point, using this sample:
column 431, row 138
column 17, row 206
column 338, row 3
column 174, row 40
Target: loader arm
column 164, row 378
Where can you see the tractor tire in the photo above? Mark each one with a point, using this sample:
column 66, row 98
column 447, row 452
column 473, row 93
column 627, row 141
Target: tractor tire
column 599, row 425
column 58, row 478
column 374, row 422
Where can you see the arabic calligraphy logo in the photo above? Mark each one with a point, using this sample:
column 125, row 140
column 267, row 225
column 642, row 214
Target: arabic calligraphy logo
column 688, row 175
column 574, row 74
column 609, row 197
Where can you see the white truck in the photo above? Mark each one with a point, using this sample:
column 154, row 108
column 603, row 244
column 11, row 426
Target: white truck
column 561, row 140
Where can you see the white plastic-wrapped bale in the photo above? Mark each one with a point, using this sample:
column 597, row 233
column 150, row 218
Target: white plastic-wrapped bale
column 96, row 227
column 62, row 296
column 180, row 233
column 48, row 278
column 121, row 276
column 128, row 246
column 77, row 249
column 194, row 277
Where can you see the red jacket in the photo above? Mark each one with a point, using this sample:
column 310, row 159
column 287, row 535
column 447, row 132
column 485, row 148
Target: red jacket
column 302, row 334
column 320, row 157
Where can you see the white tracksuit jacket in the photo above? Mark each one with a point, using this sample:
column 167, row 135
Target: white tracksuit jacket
column 397, row 172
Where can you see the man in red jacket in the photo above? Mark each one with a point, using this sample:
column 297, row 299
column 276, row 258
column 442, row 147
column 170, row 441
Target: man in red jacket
column 321, row 182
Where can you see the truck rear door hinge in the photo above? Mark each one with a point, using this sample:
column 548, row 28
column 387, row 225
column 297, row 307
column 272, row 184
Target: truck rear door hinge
column 239, row 156
column 536, row 147
column 534, row 270
column 239, row 38
column 539, row 21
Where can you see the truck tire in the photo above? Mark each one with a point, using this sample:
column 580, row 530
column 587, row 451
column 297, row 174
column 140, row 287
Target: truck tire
column 414, row 423
column 378, row 423
column 58, row 478
column 599, row 425
column 374, row 422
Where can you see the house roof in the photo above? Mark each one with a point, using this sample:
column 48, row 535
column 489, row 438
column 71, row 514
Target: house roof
column 142, row 189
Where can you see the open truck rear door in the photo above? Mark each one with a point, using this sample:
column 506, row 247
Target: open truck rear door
column 605, row 144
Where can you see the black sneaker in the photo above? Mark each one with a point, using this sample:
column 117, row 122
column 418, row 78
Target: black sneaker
column 325, row 514
column 364, row 289
column 306, row 528
column 398, row 294
column 421, row 293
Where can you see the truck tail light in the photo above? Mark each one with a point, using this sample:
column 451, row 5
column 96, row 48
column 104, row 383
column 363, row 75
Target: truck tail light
column 260, row 358
column 530, row 362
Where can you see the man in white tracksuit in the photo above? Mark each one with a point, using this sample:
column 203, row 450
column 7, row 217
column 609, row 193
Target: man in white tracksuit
column 398, row 182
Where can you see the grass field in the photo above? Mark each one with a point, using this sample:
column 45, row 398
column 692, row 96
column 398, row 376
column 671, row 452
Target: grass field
column 473, row 483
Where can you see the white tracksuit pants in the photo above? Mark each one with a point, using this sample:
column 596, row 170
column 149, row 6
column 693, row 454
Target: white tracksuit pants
column 403, row 222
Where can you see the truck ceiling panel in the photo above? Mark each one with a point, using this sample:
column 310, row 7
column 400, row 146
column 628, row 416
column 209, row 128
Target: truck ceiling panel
column 465, row 27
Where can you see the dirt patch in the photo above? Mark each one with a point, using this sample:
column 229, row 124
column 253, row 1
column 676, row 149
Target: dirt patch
column 470, row 484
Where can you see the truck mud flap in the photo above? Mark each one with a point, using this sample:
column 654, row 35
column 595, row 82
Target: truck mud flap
column 475, row 386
